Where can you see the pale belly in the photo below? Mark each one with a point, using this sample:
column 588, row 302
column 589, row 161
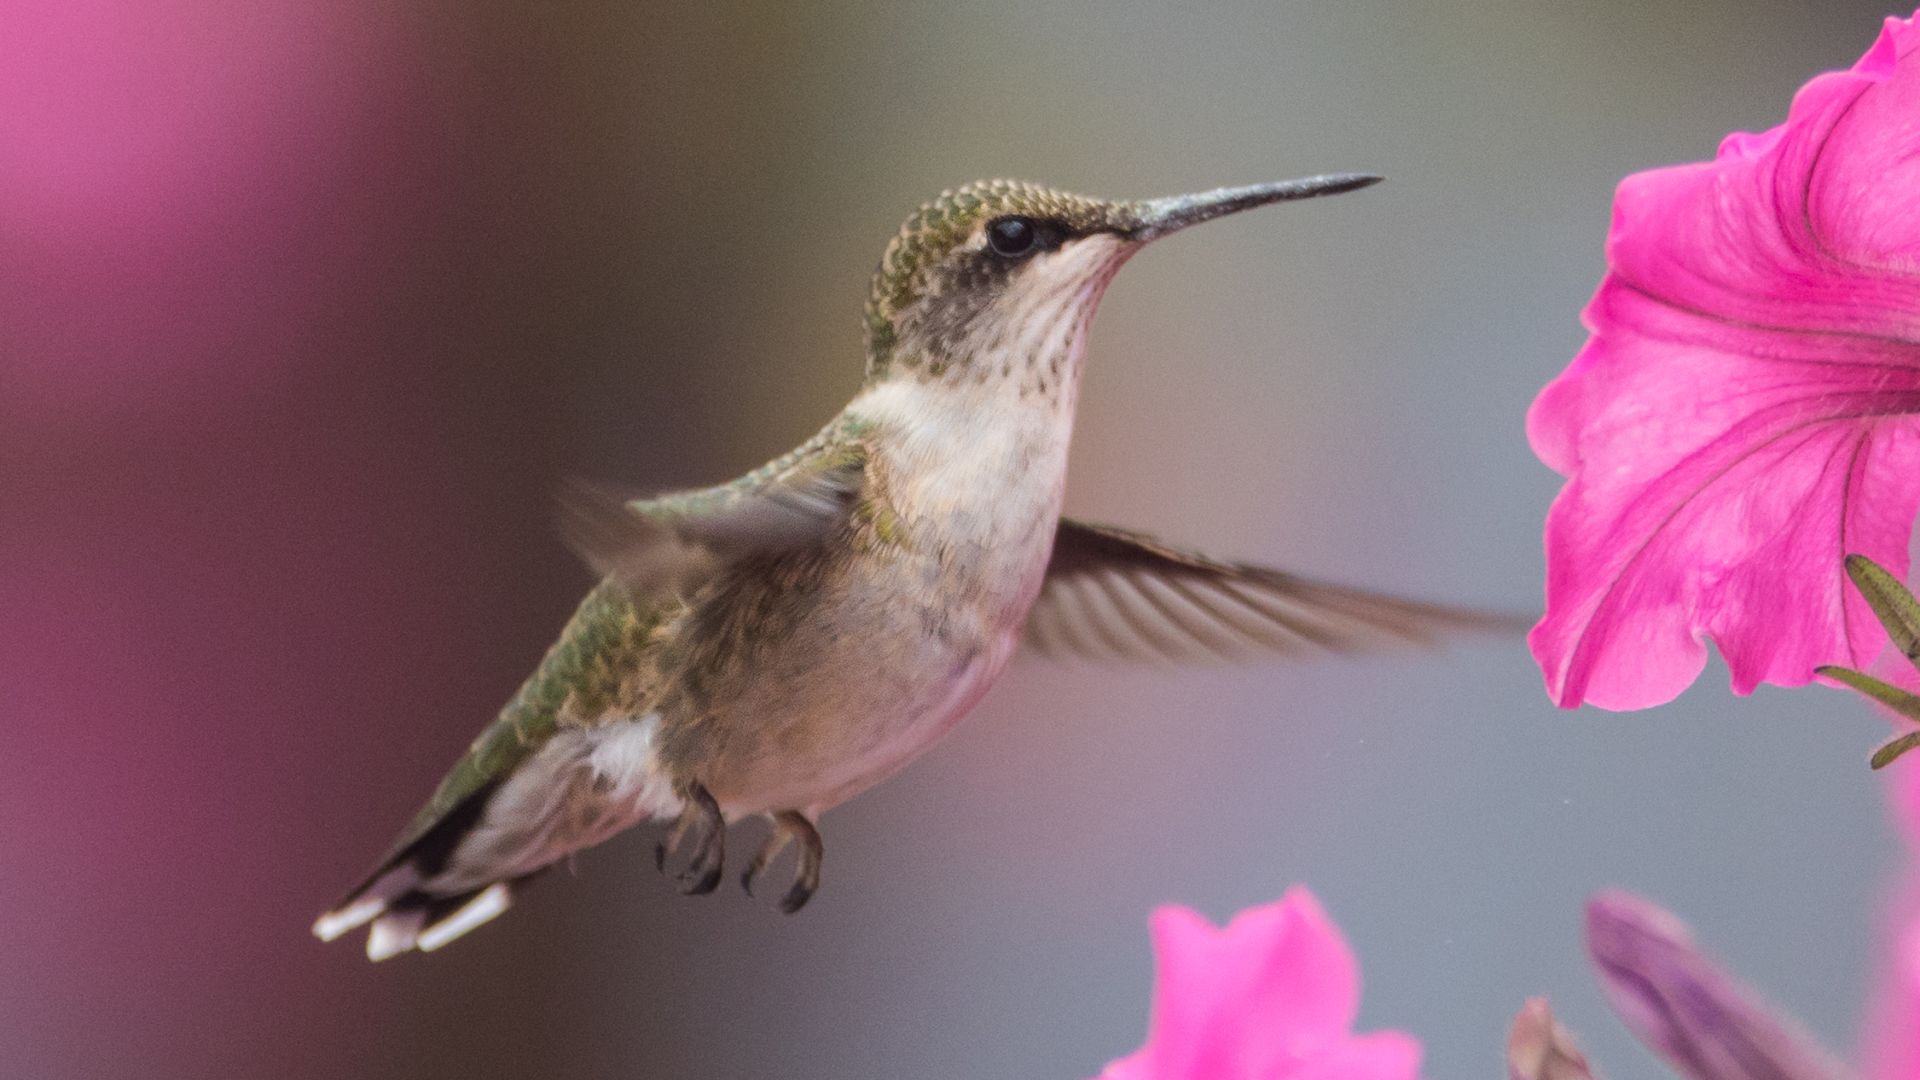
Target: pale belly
column 901, row 730
column 874, row 682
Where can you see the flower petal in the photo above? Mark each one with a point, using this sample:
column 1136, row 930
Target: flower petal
column 1744, row 414
column 1272, row 996
column 1893, row 1030
column 1382, row 1055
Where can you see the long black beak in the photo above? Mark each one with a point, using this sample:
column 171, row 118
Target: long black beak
column 1158, row 217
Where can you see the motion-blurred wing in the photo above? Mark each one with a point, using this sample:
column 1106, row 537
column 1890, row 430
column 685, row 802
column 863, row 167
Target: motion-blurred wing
column 652, row 546
column 1111, row 594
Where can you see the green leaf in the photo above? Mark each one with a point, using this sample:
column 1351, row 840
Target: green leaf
column 1892, row 604
column 1890, row 751
column 1900, row 701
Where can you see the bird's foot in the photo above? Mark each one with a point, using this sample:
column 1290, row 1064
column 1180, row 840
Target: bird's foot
column 789, row 825
column 702, row 873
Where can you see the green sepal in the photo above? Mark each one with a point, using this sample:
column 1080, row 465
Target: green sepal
column 1891, row 602
column 1892, row 749
column 1900, row 701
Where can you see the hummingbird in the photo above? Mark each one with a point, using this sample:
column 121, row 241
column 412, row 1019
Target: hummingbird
column 773, row 646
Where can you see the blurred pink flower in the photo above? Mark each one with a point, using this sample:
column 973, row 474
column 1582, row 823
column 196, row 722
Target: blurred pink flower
column 1743, row 414
column 1271, row 997
column 1893, row 1020
column 195, row 196
column 1893, row 1023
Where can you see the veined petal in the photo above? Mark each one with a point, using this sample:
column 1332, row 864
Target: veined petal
column 1747, row 410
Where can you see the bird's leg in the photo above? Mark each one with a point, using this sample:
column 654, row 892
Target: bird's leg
column 789, row 825
column 702, row 874
column 671, row 842
column 769, row 851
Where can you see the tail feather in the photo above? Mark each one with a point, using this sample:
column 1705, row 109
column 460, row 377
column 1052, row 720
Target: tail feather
column 408, row 901
column 444, row 879
column 415, row 919
column 369, row 901
column 394, row 932
column 479, row 908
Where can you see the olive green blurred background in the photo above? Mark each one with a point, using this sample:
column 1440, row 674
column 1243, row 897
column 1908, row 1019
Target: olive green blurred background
column 305, row 317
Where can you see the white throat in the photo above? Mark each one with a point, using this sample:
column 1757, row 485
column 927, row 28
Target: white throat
column 957, row 452
column 978, row 448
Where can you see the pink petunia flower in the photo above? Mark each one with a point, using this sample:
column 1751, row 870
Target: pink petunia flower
column 1747, row 409
column 1272, row 996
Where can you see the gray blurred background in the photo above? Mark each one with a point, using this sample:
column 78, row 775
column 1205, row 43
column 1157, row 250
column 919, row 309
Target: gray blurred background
column 294, row 376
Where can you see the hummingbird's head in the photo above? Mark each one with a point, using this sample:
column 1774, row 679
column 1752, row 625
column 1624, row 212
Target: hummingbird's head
column 1000, row 279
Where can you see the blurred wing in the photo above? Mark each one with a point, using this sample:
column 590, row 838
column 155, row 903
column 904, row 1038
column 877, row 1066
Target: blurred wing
column 1111, row 594
column 653, row 546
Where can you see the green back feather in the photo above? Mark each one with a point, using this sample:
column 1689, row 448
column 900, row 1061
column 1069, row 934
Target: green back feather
column 586, row 664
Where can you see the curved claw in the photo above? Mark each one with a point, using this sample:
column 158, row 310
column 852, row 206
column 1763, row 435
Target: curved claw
column 700, row 880
column 789, row 825
column 702, row 874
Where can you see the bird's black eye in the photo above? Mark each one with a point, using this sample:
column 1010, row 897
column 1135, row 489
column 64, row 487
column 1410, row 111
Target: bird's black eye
column 1012, row 237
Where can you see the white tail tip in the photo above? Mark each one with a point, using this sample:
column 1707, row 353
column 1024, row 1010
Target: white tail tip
column 359, row 913
column 394, row 933
column 370, row 901
column 493, row 900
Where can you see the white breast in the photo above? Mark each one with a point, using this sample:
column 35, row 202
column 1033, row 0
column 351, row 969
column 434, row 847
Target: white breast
column 978, row 463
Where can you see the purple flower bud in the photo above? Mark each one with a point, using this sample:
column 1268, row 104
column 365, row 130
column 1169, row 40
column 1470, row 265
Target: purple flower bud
column 1680, row 1004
